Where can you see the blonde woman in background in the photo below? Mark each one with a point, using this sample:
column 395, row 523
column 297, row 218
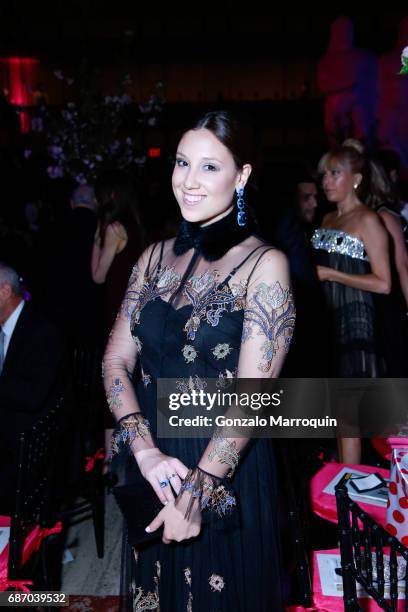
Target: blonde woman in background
column 351, row 248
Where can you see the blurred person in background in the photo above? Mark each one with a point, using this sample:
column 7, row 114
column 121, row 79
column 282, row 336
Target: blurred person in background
column 118, row 240
column 351, row 253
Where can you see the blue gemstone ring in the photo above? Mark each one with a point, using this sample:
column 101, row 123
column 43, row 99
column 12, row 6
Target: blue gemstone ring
column 164, row 483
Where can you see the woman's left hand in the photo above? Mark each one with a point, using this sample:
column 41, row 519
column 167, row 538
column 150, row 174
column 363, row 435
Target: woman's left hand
column 324, row 273
column 176, row 527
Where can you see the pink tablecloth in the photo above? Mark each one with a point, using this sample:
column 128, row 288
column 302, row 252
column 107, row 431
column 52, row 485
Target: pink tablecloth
column 326, row 603
column 397, row 511
column 323, row 602
column 324, row 504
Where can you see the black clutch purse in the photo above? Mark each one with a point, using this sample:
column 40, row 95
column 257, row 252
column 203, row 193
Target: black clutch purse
column 139, row 505
column 137, row 500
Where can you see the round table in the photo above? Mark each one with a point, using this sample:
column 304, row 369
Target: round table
column 324, row 504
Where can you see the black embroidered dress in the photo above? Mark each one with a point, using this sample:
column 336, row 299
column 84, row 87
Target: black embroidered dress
column 190, row 318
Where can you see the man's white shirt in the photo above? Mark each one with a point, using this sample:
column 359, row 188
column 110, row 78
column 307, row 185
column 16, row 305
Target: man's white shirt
column 9, row 326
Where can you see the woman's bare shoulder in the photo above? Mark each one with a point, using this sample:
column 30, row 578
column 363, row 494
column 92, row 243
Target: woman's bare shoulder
column 368, row 218
column 366, row 213
column 370, row 225
column 116, row 230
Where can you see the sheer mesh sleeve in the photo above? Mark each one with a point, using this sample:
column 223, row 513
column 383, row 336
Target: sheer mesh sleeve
column 118, row 366
column 269, row 319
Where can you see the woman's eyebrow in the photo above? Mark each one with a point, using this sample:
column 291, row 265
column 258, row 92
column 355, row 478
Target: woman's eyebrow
column 212, row 159
column 202, row 159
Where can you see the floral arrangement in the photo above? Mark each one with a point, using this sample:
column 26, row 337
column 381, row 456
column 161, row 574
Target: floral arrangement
column 404, row 61
column 94, row 131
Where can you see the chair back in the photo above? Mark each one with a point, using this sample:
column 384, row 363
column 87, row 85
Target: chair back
column 35, row 477
column 363, row 558
column 86, row 372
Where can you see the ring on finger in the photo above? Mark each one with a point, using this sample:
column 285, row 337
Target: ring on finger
column 164, row 483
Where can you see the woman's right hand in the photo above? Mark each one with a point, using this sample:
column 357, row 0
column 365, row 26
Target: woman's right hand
column 157, row 467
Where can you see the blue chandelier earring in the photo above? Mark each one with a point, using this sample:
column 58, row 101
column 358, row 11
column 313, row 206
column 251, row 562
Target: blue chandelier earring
column 241, row 214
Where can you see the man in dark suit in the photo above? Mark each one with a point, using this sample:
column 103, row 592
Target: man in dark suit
column 287, row 223
column 31, row 356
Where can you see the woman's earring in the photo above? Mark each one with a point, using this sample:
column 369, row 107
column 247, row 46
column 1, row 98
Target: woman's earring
column 241, row 215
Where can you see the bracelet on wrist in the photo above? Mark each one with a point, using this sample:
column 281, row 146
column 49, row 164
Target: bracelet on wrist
column 209, row 490
column 129, row 428
column 128, row 415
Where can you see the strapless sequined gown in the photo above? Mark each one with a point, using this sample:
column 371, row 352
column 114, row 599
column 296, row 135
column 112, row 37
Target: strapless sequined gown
column 353, row 330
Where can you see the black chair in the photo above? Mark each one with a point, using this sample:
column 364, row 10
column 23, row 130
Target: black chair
column 86, row 499
column 36, row 475
column 288, row 462
column 357, row 544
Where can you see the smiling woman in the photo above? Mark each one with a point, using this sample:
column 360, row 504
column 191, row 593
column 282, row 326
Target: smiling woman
column 206, row 176
column 215, row 286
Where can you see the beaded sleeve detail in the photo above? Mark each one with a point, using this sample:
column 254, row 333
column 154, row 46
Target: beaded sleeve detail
column 113, row 394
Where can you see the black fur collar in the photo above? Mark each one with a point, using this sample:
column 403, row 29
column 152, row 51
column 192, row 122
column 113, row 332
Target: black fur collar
column 213, row 240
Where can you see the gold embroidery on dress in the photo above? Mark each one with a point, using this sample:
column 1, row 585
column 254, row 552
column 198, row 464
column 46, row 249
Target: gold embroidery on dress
column 138, row 343
column 216, row 582
column 272, row 310
column 142, row 602
column 187, row 575
column 148, row 601
column 153, row 285
column 146, row 378
column 187, row 578
column 226, row 451
column 194, row 383
column 221, row 351
column 225, row 379
column 239, row 290
column 113, row 394
column 189, row 353
column 209, row 301
column 130, row 302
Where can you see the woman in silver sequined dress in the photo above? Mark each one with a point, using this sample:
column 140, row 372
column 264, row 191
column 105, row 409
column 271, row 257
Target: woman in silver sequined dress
column 351, row 248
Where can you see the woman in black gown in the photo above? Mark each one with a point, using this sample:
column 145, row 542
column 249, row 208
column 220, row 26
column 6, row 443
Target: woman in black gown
column 351, row 249
column 215, row 302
